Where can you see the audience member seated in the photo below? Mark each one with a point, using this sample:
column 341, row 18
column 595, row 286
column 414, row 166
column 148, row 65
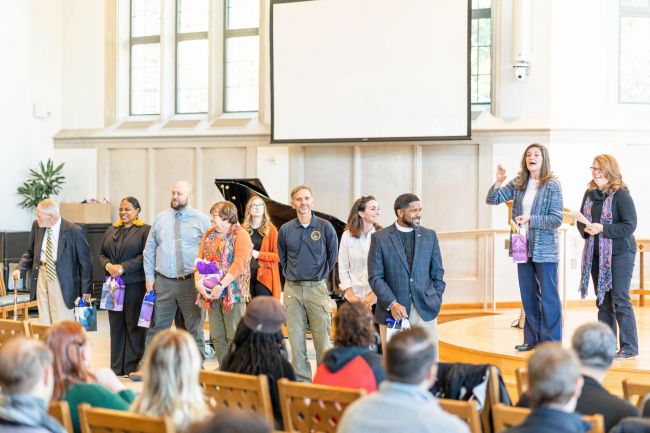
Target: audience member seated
column 230, row 421
column 403, row 402
column 555, row 384
column 351, row 363
column 74, row 380
column 258, row 347
column 632, row 424
column 27, row 381
column 171, row 380
column 595, row 345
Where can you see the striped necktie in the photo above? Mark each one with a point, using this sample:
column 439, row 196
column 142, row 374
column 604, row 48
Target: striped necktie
column 50, row 265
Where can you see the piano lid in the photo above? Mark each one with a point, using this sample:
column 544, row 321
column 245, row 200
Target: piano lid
column 239, row 191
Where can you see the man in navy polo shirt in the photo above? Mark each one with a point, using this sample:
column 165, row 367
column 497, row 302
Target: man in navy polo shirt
column 308, row 249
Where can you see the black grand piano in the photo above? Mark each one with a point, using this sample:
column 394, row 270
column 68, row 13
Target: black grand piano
column 239, row 191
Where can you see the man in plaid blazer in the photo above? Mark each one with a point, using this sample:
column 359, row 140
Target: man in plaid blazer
column 405, row 270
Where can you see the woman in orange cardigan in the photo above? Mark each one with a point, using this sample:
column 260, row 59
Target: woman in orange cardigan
column 228, row 245
column 265, row 270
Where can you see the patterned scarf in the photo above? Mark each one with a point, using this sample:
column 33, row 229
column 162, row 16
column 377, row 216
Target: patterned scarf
column 221, row 250
column 604, row 283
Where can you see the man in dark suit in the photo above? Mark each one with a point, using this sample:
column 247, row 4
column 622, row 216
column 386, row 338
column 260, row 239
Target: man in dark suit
column 405, row 270
column 60, row 260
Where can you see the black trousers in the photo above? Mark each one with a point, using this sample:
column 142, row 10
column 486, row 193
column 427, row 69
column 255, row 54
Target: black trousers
column 127, row 338
column 257, row 288
column 616, row 309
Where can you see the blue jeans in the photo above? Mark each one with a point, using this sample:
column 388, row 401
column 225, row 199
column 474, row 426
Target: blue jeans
column 541, row 301
column 616, row 309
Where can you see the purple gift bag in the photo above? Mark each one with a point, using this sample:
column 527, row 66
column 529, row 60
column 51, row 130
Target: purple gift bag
column 519, row 245
column 112, row 294
column 146, row 312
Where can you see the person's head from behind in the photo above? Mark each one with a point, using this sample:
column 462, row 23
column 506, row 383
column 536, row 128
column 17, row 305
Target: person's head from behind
column 410, row 358
column 258, row 346
column 554, row 377
column 408, row 210
column 595, row 345
column 26, row 368
column 69, row 346
column 353, row 322
column 171, row 379
column 232, row 421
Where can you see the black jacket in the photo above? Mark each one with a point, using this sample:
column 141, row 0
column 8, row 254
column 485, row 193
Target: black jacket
column 127, row 253
column 74, row 266
column 547, row 420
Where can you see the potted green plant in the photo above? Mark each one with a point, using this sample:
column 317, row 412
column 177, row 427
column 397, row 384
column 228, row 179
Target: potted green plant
column 42, row 184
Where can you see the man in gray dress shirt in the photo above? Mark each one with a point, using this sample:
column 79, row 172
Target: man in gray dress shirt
column 169, row 254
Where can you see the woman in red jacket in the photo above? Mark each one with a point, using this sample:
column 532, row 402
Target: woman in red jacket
column 265, row 270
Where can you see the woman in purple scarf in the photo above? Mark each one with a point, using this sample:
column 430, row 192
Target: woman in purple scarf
column 610, row 250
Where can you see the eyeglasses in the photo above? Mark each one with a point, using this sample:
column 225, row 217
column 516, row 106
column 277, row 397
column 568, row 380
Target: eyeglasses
column 258, row 205
column 596, row 169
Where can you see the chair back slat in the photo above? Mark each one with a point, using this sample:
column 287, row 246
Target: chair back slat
column 521, row 376
column 13, row 328
column 60, row 411
column 237, row 391
column 634, row 392
column 96, row 420
column 310, row 408
column 465, row 410
column 508, row 416
column 39, row 330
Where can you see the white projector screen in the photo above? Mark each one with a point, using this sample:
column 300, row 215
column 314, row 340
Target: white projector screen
column 369, row 70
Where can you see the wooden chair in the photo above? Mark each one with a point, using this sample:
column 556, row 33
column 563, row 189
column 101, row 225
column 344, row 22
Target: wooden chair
column 61, row 412
column 7, row 301
column 634, row 392
column 242, row 391
column 95, row 420
column 508, row 416
column 13, row 328
column 309, row 408
column 39, row 330
column 521, row 376
column 493, row 397
column 465, row 410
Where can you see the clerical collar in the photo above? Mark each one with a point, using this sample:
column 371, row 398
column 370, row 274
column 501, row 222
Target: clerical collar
column 403, row 229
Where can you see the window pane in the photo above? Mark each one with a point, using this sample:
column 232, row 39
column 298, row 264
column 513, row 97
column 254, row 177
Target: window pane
column 242, row 14
column 635, row 3
column 145, row 79
column 242, row 74
column 192, row 76
column 484, row 32
column 635, row 60
column 193, row 16
column 145, row 18
column 483, row 88
column 484, row 60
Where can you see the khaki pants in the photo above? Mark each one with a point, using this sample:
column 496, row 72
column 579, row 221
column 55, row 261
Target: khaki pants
column 415, row 320
column 51, row 306
column 308, row 307
column 223, row 327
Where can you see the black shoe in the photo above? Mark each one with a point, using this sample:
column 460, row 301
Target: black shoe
column 622, row 355
column 525, row 347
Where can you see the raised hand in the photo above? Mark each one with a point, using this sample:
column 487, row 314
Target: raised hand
column 501, row 174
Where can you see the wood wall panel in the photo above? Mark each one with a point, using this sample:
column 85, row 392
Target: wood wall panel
column 128, row 177
column 171, row 165
column 386, row 172
column 328, row 171
column 220, row 163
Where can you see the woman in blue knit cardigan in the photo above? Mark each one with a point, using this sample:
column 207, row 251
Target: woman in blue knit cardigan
column 537, row 209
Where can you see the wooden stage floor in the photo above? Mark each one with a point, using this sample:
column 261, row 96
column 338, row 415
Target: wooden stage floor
column 491, row 339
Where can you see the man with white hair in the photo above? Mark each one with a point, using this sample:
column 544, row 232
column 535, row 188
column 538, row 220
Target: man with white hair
column 27, row 382
column 169, row 254
column 60, row 260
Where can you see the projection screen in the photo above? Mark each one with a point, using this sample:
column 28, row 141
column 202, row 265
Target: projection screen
column 369, row 70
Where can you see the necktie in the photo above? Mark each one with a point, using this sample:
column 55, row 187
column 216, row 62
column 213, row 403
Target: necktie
column 178, row 244
column 50, row 265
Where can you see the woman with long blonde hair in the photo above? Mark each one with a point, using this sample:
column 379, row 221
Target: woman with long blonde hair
column 610, row 250
column 171, row 380
column 265, row 269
